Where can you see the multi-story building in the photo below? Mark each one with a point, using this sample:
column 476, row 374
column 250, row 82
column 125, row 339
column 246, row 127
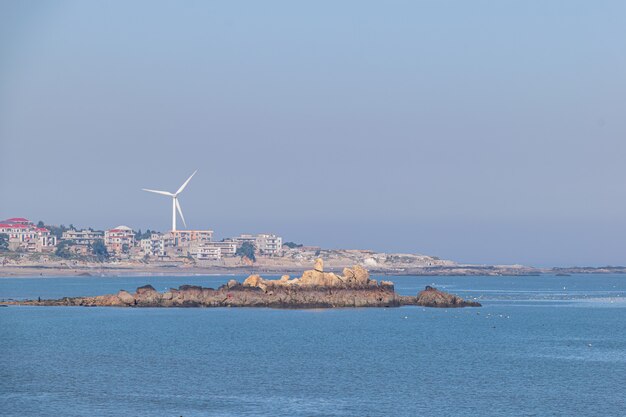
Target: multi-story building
column 153, row 246
column 243, row 238
column 227, row 248
column 83, row 237
column 177, row 243
column 211, row 250
column 204, row 251
column 119, row 239
column 268, row 244
column 184, row 237
column 265, row 243
column 23, row 234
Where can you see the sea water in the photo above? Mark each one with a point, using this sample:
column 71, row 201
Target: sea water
column 553, row 346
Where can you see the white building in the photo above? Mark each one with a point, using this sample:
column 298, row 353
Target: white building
column 264, row 243
column 205, row 251
column 181, row 242
column 184, row 237
column 154, row 246
column 118, row 238
column 23, row 234
column 227, row 248
column 83, row 237
column 268, row 244
column 243, row 238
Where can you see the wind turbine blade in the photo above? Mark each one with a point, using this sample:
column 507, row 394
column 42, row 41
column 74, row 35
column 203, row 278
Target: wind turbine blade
column 159, row 192
column 180, row 212
column 182, row 187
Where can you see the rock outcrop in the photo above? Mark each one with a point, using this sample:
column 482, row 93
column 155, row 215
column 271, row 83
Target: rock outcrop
column 319, row 265
column 432, row 297
column 314, row 289
column 353, row 277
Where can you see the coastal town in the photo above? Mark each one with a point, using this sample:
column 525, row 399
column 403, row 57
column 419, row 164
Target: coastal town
column 21, row 235
column 49, row 250
column 122, row 243
column 27, row 246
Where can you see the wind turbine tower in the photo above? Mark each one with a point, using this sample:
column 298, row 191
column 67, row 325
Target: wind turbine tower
column 175, row 203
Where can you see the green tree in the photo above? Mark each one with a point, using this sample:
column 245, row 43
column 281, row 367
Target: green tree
column 125, row 248
column 292, row 245
column 4, row 242
column 63, row 249
column 99, row 250
column 56, row 230
column 40, row 224
column 145, row 235
column 247, row 250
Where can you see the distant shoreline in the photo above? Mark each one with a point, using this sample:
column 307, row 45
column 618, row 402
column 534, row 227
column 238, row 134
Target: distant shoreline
column 34, row 271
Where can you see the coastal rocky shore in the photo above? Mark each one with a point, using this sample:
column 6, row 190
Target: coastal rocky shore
column 314, row 289
column 291, row 261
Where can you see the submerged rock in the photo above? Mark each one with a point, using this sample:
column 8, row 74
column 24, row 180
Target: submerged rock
column 315, row 289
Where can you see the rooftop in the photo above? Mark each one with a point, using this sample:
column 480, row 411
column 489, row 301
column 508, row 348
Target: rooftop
column 16, row 220
column 121, row 228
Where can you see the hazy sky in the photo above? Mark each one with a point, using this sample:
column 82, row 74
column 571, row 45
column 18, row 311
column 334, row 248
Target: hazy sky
column 479, row 131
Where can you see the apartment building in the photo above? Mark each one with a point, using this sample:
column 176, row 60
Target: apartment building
column 265, row 243
column 185, row 237
column 24, row 235
column 268, row 244
column 227, row 248
column 154, row 246
column 83, row 237
column 204, row 251
column 119, row 238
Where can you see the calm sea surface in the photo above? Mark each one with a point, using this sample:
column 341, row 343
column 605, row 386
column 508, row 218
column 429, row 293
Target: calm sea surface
column 539, row 346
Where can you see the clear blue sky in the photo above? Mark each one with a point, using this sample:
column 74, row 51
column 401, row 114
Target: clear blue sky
column 480, row 131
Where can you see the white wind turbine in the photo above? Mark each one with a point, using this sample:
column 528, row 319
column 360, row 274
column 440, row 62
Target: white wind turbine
column 175, row 203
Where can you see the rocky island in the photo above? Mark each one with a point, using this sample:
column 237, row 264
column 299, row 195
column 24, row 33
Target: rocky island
column 314, row 289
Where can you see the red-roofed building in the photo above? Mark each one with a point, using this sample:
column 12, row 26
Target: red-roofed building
column 23, row 234
column 116, row 238
column 14, row 220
